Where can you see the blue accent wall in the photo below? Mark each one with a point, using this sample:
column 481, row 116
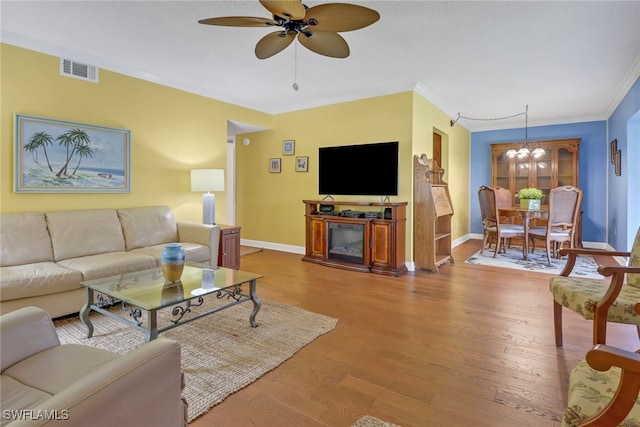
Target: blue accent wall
column 624, row 190
column 594, row 163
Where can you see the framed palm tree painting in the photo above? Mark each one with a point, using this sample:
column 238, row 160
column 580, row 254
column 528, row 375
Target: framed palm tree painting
column 56, row 156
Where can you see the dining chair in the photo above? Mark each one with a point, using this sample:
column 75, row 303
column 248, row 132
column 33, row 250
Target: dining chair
column 597, row 299
column 491, row 223
column 605, row 386
column 504, row 198
column 564, row 207
column 603, row 389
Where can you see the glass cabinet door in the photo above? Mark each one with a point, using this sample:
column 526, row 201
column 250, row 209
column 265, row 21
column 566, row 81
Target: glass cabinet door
column 522, row 172
column 543, row 174
column 565, row 167
column 502, row 171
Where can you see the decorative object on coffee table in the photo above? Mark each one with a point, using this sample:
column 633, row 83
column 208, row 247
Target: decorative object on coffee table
column 530, row 198
column 172, row 262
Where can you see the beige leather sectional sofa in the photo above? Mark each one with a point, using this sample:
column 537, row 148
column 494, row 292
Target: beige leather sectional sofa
column 44, row 255
column 46, row 383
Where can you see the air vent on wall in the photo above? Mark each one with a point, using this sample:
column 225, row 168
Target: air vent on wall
column 78, row 70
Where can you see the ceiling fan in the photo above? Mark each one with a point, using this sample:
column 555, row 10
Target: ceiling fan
column 316, row 27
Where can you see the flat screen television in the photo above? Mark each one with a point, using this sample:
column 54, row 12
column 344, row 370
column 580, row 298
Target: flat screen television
column 359, row 170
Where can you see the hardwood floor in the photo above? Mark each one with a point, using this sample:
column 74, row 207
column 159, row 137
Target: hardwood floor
column 471, row 346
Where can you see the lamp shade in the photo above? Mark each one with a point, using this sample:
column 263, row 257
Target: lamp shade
column 207, row 180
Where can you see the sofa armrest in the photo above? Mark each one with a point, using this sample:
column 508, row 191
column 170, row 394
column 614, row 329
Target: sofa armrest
column 23, row 333
column 195, row 232
column 142, row 387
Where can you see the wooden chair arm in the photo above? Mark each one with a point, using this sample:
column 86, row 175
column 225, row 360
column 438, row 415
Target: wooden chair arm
column 608, row 270
column 574, row 252
column 601, row 309
column 587, row 251
column 602, row 357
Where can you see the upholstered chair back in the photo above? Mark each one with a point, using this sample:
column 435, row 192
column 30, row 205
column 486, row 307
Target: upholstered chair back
column 634, row 260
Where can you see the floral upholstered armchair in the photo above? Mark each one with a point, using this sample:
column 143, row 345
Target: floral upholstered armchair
column 603, row 389
column 596, row 299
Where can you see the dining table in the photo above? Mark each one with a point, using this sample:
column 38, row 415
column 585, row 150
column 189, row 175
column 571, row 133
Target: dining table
column 527, row 215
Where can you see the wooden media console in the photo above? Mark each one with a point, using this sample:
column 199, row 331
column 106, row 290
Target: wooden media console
column 361, row 236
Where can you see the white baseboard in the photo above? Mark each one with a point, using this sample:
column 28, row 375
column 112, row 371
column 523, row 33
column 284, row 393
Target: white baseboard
column 411, row 265
column 275, row 246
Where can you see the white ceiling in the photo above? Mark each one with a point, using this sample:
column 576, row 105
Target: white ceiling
column 569, row 61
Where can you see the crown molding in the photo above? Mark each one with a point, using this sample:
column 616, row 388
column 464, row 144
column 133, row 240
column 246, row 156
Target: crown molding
column 625, row 86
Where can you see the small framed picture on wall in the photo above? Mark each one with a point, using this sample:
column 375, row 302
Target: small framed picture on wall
column 288, row 147
column 614, row 148
column 302, row 164
column 618, row 161
column 274, row 165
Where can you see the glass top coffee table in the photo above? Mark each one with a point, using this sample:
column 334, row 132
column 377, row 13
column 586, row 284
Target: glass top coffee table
column 148, row 291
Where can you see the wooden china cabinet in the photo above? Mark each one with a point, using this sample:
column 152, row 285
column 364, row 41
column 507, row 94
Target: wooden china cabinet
column 557, row 167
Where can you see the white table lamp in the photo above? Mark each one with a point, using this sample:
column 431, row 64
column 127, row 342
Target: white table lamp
column 208, row 180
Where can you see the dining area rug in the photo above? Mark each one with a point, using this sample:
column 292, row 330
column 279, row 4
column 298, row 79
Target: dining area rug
column 537, row 262
column 221, row 353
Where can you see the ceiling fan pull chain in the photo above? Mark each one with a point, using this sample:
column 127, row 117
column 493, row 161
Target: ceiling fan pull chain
column 295, row 65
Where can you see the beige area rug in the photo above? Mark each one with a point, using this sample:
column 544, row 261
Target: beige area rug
column 585, row 265
column 369, row 421
column 246, row 250
column 221, row 353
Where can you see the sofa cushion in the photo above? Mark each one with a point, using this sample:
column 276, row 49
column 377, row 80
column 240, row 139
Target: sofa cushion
column 581, row 295
column 71, row 362
column 109, row 264
column 32, row 280
column 84, row 232
column 193, row 252
column 148, row 226
column 24, row 238
column 16, row 396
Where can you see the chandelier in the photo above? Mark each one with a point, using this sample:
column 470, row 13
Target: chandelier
column 525, row 150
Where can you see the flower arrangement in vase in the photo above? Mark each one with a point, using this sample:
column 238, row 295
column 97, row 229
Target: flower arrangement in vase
column 530, row 198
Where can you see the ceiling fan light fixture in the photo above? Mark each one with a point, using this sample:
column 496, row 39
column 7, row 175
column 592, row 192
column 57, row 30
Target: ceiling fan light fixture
column 326, row 21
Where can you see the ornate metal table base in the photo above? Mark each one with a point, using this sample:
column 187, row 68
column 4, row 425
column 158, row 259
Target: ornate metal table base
column 151, row 329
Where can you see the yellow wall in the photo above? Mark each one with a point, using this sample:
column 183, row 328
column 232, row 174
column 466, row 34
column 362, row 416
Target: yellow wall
column 270, row 205
column 171, row 132
column 174, row 131
column 456, row 149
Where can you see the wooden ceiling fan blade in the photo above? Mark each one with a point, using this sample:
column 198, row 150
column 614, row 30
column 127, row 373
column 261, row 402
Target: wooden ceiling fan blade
column 239, row 21
column 327, row 44
column 338, row 17
column 293, row 9
column 273, row 43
